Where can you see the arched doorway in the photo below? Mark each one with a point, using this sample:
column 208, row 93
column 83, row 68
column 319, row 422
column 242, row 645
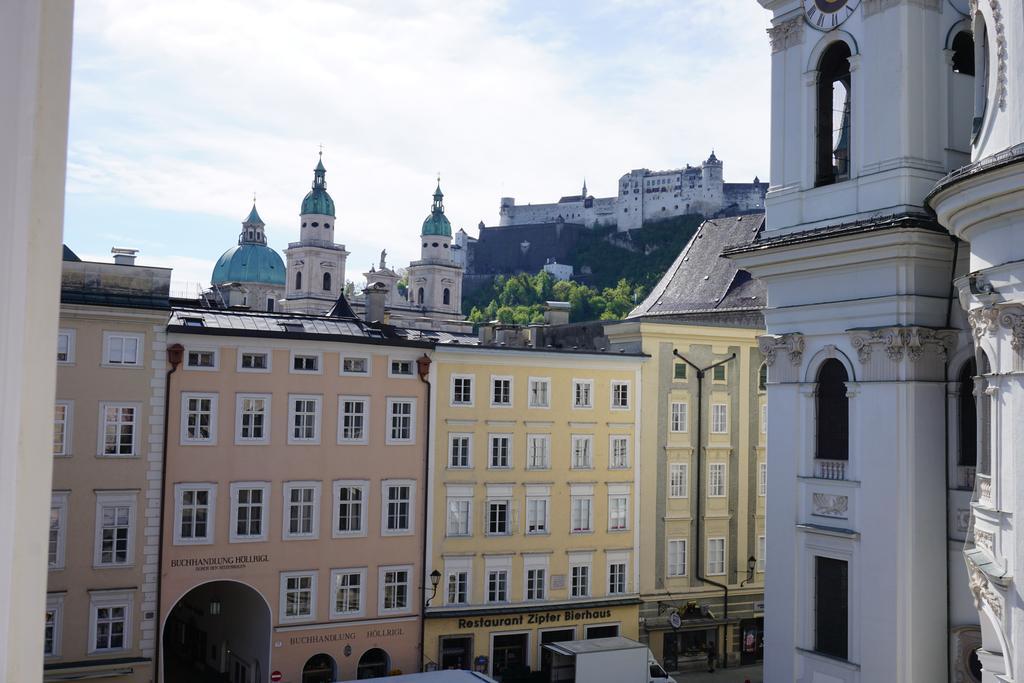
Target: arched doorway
column 374, row 663
column 319, row 669
column 218, row 631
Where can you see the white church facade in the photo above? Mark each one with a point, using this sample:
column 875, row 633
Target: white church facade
column 884, row 408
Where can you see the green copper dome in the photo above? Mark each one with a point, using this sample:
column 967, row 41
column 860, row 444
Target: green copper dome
column 437, row 223
column 317, row 200
column 249, row 263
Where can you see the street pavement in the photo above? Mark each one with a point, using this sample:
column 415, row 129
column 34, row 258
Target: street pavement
column 741, row 674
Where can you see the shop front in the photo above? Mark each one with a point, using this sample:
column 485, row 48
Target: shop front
column 506, row 643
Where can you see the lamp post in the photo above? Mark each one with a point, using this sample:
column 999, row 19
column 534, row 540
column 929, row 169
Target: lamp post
column 435, row 578
column 751, row 566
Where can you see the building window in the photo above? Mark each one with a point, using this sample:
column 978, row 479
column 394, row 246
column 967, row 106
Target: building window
column 397, row 517
column 352, row 419
column 110, row 621
column 459, row 449
column 248, row 512
column 831, row 607
column 501, row 451
column 539, row 390
column 679, row 372
column 298, row 596
column 718, row 373
column 582, row 393
column 501, row 391
column 762, row 479
column 327, row 282
column 680, row 419
column 457, row 591
column 618, row 452
column 61, row 424
column 677, row 557
column 53, row 625
column 253, row 418
column 716, row 556
column 582, row 514
column 833, row 412
column 967, row 454
column 678, row 483
column 620, row 395
column 582, row 456
column 115, row 523
column 762, row 548
column 194, row 514
column 618, row 515
column 199, row 425
column 579, row 582
column 536, row 515
column 833, row 121
column 306, row 362
column 762, row 377
column 497, row 585
column 401, row 419
column 66, row 346
column 497, row 517
column 118, row 430
column 536, row 583
column 719, row 418
column 538, row 448
column 446, row 297
column 348, row 592
column 401, row 368
column 716, row 480
column 304, row 419
column 462, row 390
column 201, row 359
column 122, row 350
column 58, row 530
column 298, row 280
column 460, row 512
column 302, row 509
column 764, row 419
column 395, row 588
column 254, row 361
column 616, row 578
column 350, row 508
column 355, row 366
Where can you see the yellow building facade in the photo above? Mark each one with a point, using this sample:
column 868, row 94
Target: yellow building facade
column 533, row 528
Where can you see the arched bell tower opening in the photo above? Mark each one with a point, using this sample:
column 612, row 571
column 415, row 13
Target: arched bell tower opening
column 832, row 129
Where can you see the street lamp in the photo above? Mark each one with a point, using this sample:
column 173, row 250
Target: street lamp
column 435, row 578
column 751, row 566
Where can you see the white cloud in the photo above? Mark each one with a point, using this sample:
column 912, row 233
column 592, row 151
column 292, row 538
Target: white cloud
column 193, row 105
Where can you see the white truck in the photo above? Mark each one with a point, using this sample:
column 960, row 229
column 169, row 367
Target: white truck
column 604, row 660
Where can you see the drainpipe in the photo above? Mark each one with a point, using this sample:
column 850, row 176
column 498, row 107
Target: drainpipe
column 175, row 354
column 698, row 570
column 423, row 368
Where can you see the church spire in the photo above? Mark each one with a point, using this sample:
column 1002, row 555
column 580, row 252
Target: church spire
column 584, row 195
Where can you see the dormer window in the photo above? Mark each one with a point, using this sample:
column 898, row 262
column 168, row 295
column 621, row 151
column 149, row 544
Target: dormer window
column 832, row 129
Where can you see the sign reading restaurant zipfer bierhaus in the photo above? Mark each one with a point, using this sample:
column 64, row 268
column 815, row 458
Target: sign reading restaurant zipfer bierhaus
column 566, row 616
column 206, row 564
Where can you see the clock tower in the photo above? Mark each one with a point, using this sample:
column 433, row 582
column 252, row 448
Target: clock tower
column 871, row 106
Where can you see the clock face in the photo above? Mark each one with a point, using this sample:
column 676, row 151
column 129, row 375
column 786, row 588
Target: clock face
column 826, row 15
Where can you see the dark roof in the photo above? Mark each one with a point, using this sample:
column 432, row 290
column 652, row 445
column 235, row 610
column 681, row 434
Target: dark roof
column 702, row 280
column 69, row 255
column 341, row 308
column 118, row 299
column 875, row 223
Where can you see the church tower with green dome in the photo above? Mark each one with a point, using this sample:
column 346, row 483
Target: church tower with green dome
column 435, row 280
column 316, row 264
column 250, row 274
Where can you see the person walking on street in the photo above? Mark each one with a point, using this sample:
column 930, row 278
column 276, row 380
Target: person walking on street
column 712, row 655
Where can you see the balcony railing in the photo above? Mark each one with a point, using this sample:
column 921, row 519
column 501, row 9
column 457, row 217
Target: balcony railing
column 830, row 469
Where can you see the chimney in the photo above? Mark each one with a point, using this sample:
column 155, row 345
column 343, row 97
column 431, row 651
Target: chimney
column 557, row 313
column 124, row 257
column 375, row 295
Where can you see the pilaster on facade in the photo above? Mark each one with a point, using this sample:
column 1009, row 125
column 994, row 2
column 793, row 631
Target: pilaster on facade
column 154, row 453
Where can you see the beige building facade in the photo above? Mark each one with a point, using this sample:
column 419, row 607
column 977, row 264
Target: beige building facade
column 293, row 524
column 534, row 522
column 103, row 541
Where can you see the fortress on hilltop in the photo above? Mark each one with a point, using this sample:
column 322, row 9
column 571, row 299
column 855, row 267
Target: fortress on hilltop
column 646, row 195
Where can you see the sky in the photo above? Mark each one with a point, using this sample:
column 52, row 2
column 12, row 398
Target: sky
column 182, row 111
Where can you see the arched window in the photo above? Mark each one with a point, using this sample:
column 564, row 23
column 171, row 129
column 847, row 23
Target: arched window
column 833, row 413
column 447, row 296
column 419, row 296
column 968, row 417
column 960, row 103
column 833, row 121
column 984, row 417
column 298, row 280
column 327, row 282
column 981, row 65
column 762, row 377
column 963, row 54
